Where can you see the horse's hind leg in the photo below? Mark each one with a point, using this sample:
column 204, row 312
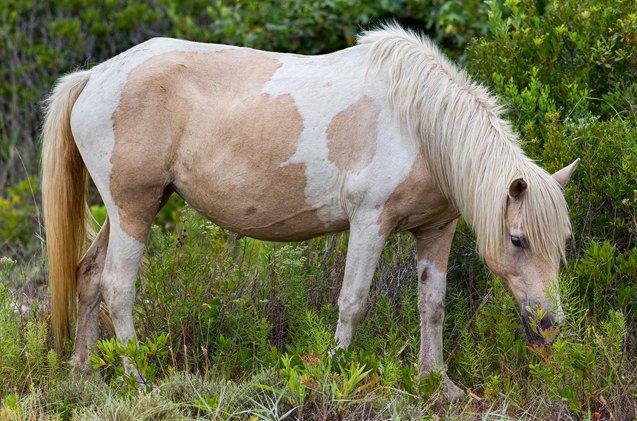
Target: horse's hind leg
column 88, row 300
column 123, row 259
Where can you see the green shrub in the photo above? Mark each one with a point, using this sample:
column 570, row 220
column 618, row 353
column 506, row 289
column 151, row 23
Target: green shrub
column 25, row 358
column 571, row 93
column 583, row 52
column 18, row 219
column 566, row 73
column 147, row 358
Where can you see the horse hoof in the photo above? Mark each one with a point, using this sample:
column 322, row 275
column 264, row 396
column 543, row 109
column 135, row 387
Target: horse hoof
column 452, row 392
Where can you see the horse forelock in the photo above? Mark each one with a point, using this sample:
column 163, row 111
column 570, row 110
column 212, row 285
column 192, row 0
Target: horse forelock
column 545, row 215
column 470, row 151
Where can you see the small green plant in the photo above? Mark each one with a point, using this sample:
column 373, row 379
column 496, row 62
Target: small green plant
column 11, row 407
column 296, row 384
column 146, row 358
column 25, row 361
column 572, row 368
column 314, row 384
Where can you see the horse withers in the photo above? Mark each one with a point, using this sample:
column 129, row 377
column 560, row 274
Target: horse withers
column 382, row 137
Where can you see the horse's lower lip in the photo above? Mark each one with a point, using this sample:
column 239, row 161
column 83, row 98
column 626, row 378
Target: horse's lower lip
column 533, row 336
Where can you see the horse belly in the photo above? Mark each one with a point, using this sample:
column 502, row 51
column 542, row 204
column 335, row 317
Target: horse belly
column 264, row 203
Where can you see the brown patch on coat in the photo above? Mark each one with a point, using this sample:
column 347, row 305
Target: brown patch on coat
column 416, row 202
column 151, row 116
column 433, row 243
column 351, row 135
column 201, row 122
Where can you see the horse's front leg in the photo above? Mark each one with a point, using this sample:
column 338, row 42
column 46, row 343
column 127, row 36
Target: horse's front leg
column 363, row 250
column 433, row 246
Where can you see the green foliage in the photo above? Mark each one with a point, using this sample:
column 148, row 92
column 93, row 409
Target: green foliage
column 566, row 73
column 586, row 360
column 147, row 359
column 25, row 358
column 575, row 49
column 18, row 210
column 599, row 270
column 9, row 349
column 493, row 346
column 568, row 77
column 455, row 23
column 214, row 311
column 315, row 382
column 200, row 275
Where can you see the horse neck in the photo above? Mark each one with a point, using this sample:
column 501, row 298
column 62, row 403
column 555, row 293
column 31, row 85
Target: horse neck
column 473, row 156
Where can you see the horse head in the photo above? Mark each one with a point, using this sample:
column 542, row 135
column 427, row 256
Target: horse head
column 531, row 272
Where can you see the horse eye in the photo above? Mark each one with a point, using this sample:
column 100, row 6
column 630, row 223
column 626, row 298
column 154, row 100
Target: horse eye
column 517, row 241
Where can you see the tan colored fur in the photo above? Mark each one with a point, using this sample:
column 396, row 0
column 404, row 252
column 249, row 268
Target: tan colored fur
column 523, row 277
column 64, row 179
column 433, row 243
column 201, row 112
column 415, row 202
column 351, row 136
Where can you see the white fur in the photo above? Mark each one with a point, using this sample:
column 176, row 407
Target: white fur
column 363, row 250
column 436, row 280
column 333, row 192
column 459, row 128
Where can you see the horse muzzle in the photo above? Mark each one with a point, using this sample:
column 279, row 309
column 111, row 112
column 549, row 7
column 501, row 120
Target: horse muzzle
column 540, row 331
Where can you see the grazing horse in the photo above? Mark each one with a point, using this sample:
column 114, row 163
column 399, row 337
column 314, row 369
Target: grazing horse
column 382, row 137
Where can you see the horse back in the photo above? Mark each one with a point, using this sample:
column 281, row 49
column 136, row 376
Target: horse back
column 274, row 146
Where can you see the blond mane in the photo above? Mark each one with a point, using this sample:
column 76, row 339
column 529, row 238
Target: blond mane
column 471, row 152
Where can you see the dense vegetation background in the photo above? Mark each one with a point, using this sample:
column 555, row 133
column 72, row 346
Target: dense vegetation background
column 237, row 327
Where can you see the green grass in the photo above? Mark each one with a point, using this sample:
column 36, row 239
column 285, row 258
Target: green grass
column 238, row 328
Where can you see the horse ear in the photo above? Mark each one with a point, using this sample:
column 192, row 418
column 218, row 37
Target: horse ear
column 563, row 176
column 517, row 188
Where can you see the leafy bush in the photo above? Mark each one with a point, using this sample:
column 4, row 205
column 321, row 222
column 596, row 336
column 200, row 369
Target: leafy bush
column 583, row 52
column 146, row 358
column 18, row 219
column 571, row 93
column 568, row 76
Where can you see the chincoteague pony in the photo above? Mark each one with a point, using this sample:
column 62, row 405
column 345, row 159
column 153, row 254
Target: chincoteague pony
column 382, row 137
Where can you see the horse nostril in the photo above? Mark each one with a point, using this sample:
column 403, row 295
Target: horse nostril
column 547, row 322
